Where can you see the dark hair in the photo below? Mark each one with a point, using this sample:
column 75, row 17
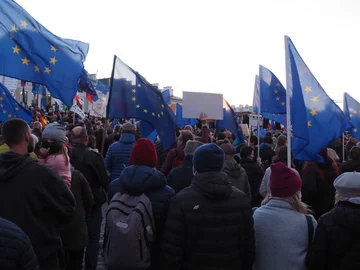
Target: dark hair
column 13, row 131
column 221, row 136
column 268, row 134
column 355, row 153
column 254, row 139
column 268, row 140
column 281, row 155
column 246, row 151
column 186, row 135
column 92, row 142
column 221, row 142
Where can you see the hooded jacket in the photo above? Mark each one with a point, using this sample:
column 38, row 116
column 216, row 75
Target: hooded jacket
column 36, row 199
column 180, row 177
column 209, row 226
column 255, row 173
column 266, row 153
column 173, row 159
column 238, row 176
column 337, row 237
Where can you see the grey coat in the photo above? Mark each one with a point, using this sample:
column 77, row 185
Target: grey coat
column 237, row 175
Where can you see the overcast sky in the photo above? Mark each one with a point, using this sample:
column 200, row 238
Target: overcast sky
column 212, row 46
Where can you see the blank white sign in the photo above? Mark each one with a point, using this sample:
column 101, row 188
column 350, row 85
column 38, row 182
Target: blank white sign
column 195, row 104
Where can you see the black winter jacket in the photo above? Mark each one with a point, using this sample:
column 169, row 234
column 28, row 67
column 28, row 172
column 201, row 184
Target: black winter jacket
column 336, row 245
column 36, row 199
column 350, row 166
column 255, row 173
column 16, row 251
column 318, row 186
column 209, row 226
column 75, row 234
column 238, row 176
column 180, row 177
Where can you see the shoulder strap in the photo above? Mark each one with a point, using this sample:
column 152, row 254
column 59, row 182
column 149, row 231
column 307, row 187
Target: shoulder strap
column 310, row 228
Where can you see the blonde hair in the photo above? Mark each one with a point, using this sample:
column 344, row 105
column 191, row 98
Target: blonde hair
column 64, row 151
column 294, row 201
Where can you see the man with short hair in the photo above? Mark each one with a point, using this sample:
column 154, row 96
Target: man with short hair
column 91, row 165
column 175, row 157
column 37, row 129
column 115, row 135
column 118, row 155
column 180, row 178
column 33, row 196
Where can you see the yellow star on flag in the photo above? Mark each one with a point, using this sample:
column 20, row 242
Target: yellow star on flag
column 355, row 130
column 24, row 24
column 315, row 99
column 53, row 60
column 11, row 36
column 307, row 89
column 9, row 115
column 309, row 123
column 138, row 106
column 134, row 99
column 1, row 105
column 153, row 114
column 4, row 111
column 159, row 115
column 14, row 28
column 134, row 90
column 278, row 84
column 139, row 85
column 351, row 115
column 16, row 108
column 1, row 98
column 16, row 49
column 47, row 70
column 25, row 61
column 354, row 112
column 313, row 112
column 36, row 69
column 276, row 91
column 162, row 106
column 283, row 103
column 145, row 110
column 162, row 113
column 277, row 98
column 52, row 48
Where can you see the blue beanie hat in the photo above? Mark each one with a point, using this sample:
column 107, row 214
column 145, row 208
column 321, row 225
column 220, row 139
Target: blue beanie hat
column 208, row 158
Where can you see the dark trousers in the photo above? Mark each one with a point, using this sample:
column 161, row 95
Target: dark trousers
column 92, row 250
column 74, row 259
column 52, row 262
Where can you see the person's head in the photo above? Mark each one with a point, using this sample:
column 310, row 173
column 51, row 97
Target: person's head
column 268, row 134
column 191, row 146
column 268, row 140
column 128, row 128
column 347, row 186
column 351, row 143
column 144, row 153
column 286, row 184
column 247, row 152
column 355, row 153
column 281, row 155
column 54, row 138
column 208, row 158
column 280, row 142
column 184, row 137
column 228, row 134
column 91, row 142
column 32, row 144
column 117, row 129
column 17, row 135
column 229, row 150
column 221, row 136
column 189, row 128
column 332, row 154
column 37, row 125
column 253, row 140
column 79, row 135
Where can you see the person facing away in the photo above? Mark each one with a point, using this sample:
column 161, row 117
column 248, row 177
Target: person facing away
column 255, row 173
column 33, row 196
column 118, row 155
column 180, row 177
column 353, row 164
column 175, row 157
column 53, row 152
column 17, row 252
column 266, row 150
column 92, row 166
column 142, row 178
column 281, row 226
column 337, row 237
column 234, row 170
column 318, row 184
column 209, row 224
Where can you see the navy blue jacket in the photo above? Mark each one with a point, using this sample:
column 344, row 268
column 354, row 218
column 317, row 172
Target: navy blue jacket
column 137, row 180
column 180, row 177
column 118, row 155
column 16, row 251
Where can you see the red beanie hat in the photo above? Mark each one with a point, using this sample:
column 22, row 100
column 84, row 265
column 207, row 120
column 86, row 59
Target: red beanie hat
column 144, row 153
column 283, row 181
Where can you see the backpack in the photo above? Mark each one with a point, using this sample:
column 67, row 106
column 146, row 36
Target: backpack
column 129, row 232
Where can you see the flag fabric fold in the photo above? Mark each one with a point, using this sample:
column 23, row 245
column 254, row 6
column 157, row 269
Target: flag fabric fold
column 352, row 111
column 32, row 53
column 182, row 122
column 315, row 118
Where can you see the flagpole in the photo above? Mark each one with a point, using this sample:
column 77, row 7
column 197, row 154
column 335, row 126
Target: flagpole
column 288, row 120
column 343, row 147
column 258, row 125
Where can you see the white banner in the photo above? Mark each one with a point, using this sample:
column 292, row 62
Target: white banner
column 76, row 109
column 98, row 108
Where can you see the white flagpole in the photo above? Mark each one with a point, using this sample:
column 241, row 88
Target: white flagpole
column 258, row 124
column 343, row 146
column 288, row 120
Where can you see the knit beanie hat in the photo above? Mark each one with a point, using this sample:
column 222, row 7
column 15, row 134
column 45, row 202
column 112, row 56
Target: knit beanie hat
column 348, row 184
column 144, row 153
column 283, row 181
column 208, row 158
column 55, row 131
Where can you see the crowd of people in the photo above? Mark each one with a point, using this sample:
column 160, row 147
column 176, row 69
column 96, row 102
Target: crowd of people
column 208, row 203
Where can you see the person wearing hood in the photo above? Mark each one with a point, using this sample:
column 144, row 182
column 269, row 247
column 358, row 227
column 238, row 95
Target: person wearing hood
column 32, row 196
column 141, row 177
column 318, row 190
column 353, row 164
column 283, row 230
column 180, row 177
column 234, row 170
column 337, row 237
column 266, row 151
column 210, row 224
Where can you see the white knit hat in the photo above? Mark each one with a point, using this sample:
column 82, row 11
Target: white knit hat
column 348, row 184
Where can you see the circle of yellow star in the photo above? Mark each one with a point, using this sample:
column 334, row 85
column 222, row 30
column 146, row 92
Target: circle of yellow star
column 16, row 49
column 9, row 115
column 25, row 61
column 315, row 99
column 276, row 91
column 162, row 105
column 153, row 114
column 307, row 89
column 139, row 85
column 313, row 112
column 53, row 60
column 4, row 111
column 277, row 98
column 145, row 110
column 1, row 98
column 351, row 115
column 36, row 69
column 52, row 48
column 354, row 112
column 159, row 115
column 24, row 24
column 162, row 113
column 134, row 90
column 278, row 84
column 16, row 108
column 283, row 103
column 134, row 99
column 47, row 70
column 14, row 28
column 355, row 130
column 309, row 123
column 138, row 106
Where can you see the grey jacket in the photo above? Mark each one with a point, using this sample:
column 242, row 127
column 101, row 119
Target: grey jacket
column 237, row 175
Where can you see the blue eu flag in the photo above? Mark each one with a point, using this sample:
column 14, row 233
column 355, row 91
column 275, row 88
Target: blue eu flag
column 102, row 87
column 182, row 122
column 166, row 95
column 229, row 122
column 131, row 96
column 32, row 53
column 10, row 108
column 316, row 120
column 352, row 111
column 256, row 98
